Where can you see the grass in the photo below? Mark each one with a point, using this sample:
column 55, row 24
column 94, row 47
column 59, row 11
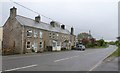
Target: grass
column 99, row 47
column 116, row 53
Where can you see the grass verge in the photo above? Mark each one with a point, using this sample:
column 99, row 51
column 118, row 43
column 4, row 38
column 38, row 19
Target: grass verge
column 116, row 53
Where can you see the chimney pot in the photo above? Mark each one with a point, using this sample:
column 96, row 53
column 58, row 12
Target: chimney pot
column 13, row 12
column 52, row 23
column 63, row 26
column 72, row 31
column 37, row 18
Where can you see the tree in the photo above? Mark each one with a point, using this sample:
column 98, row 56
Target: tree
column 93, row 40
column 100, row 42
column 85, row 41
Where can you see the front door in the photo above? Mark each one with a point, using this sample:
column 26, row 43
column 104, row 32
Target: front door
column 54, row 45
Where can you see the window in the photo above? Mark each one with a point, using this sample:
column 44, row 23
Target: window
column 29, row 33
column 57, row 35
column 41, row 44
column 53, row 34
column 28, row 45
column 50, row 35
column 35, row 33
column 62, row 37
column 53, row 37
column 40, row 34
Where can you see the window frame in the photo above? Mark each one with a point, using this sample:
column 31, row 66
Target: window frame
column 40, row 34
column 35, row 33
column 28, row 45
column 41, row 44
column 29, row 33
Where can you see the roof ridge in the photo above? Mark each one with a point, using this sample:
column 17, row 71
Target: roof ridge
column 41, row 25
column 31, row 19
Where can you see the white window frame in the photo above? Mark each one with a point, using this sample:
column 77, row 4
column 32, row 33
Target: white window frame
column 41, row 44
column 57, row 35
column 41, row 34
column 35, row 33
column 27, row 45
column 29, row 32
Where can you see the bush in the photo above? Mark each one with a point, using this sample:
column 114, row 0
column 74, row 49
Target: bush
column 90, row 45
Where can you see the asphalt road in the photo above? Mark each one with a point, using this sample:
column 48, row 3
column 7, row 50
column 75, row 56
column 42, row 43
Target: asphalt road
column 57, row 61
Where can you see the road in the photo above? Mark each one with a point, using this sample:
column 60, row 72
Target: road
column 57, row 61
column 108, row 65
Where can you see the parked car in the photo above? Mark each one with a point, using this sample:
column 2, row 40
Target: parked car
column 80, row 47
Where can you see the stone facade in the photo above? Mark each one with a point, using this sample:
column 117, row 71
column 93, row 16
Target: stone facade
column 1, row 38
column 25, row 35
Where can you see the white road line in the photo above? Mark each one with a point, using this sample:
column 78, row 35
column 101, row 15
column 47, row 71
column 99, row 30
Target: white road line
column 66, row 58
column 73, row 57
column 100, row 61
column 21, row 67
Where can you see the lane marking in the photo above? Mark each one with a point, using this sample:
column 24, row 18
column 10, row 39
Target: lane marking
column 21, row 67
column 66, row 58
column 101, row 61
column 73, row 57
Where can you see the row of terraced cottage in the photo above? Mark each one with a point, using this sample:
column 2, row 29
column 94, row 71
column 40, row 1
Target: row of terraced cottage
column 24, row 35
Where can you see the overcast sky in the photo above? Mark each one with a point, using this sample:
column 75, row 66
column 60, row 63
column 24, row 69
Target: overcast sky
column 99, row 16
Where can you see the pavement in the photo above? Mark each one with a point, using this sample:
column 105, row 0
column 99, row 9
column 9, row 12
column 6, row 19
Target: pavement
column 109, row 65
column 73, row 60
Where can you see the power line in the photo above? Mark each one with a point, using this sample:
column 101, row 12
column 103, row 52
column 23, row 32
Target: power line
column 30, row 10
column 37, row 12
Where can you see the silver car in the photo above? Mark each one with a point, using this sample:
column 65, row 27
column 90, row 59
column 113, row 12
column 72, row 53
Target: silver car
column 80, row 47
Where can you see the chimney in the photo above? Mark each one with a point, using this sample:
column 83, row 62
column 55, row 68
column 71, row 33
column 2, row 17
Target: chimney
column 37, row 18
column 52, row 23
column 72, row 31
column 63, row 26
column 13, row 12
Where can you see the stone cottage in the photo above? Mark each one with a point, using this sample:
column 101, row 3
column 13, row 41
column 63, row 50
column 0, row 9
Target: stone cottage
column 25, row 35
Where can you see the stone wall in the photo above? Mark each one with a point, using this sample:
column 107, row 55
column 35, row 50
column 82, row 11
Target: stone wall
column 12, row 39
column 1, row 38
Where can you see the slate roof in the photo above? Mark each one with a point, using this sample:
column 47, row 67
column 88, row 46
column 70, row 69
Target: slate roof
column 41, row 25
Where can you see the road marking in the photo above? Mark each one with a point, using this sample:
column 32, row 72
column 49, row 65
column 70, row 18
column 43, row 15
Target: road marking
column 101, row 61
column 66, row 58
column 21, row 67
column 73, row 57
